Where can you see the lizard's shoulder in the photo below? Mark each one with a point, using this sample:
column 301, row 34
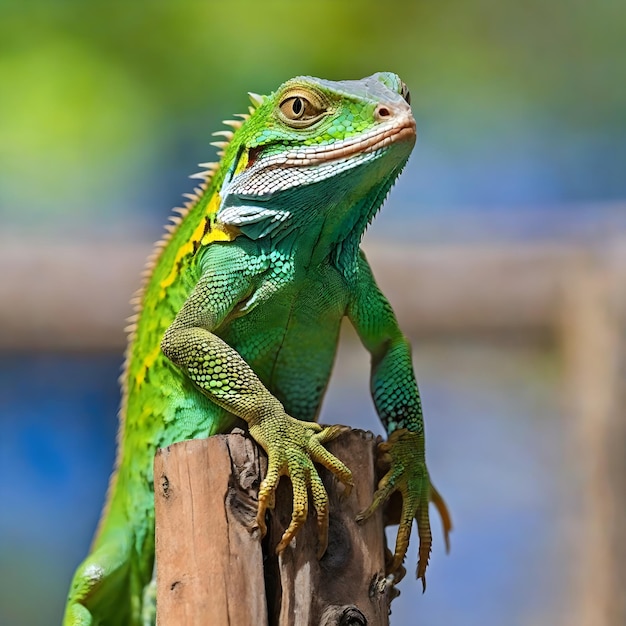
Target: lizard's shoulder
column 240, row 255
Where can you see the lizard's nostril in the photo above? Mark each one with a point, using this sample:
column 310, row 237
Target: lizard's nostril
column 382, row 112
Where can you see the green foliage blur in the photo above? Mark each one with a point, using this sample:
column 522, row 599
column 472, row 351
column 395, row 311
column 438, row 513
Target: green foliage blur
column 99, row 99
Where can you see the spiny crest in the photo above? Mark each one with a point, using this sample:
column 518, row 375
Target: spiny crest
column 256, row 99
column 132, row 322
column 179, row 213
column 207, row 173
column 224, row 133
column 176, row 220
column 211, row 167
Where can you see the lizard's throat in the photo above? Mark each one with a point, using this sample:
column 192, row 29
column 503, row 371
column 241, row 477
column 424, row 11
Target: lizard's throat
column 332, row 209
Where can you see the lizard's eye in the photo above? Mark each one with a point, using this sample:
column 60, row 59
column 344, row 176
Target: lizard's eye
column 406, row 94
column 300, row 110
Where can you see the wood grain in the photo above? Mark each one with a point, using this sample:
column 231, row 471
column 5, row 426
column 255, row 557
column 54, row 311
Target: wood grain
column 214, row 569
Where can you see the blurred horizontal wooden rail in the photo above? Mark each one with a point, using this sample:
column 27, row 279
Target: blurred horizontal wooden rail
column 59, row 296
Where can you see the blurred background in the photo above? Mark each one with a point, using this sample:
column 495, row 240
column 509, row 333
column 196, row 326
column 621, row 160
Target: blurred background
column 502, row 248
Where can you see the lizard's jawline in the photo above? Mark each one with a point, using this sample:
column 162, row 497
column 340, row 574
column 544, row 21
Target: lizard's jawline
column 404, row 130
column 381, row 137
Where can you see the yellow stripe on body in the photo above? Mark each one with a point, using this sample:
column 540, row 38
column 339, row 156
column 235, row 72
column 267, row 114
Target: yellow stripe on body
column 203, row 235
column 148, row 362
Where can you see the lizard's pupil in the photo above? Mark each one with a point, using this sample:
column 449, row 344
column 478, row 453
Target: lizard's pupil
column 297, row 106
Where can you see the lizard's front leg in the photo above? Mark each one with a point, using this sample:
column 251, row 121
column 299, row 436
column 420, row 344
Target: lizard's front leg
column 403, row 455
column 222, row 374
column 397, row 400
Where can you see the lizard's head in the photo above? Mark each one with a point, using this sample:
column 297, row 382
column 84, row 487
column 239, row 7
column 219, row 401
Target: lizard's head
column 315, row 146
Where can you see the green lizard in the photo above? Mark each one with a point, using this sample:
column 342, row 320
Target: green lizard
column 239, row 318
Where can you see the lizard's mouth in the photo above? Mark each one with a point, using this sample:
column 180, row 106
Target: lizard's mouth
column 268, row 173
column 385, row 134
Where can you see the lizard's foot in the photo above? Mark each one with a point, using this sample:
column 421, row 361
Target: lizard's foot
column 408, row 475
column 292, row 446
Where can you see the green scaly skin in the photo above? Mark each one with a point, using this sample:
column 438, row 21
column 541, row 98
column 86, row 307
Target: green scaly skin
column 239, row 319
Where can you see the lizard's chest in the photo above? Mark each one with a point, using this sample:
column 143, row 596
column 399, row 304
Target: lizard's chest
column 289, row 335
column 280, row 313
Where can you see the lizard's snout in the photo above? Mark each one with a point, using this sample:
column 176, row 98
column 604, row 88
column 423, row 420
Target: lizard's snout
column 399, row 112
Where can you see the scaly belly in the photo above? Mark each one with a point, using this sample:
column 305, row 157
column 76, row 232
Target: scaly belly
column 290, row 343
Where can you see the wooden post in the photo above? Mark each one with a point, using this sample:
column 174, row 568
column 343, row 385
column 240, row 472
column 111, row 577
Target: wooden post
column 209, row 566
column 213, row 568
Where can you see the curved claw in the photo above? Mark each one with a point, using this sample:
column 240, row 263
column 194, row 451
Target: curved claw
column 442, row 509
column 266, row 495
column 300, row 506
column 386, row 487
column 322, row 456
column 408, row 475
column 292, row 446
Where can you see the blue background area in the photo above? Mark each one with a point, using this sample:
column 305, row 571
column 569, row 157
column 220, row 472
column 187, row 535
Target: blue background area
column 58, row 437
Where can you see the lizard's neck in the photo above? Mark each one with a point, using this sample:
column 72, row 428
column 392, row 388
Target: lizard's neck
column 331, row 233
column 313, row 223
